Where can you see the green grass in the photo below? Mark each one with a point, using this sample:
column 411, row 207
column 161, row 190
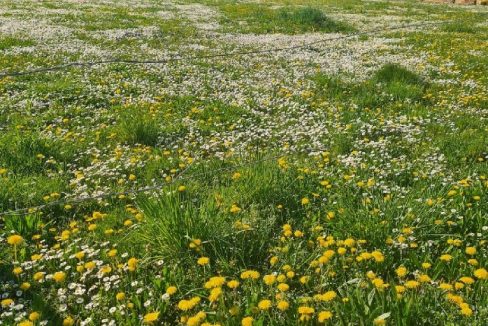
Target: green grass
column 459, row 27
column 9, row 42
column 390, row 83
column 291, row 20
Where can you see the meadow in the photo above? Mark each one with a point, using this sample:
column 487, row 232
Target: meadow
column 285, row 162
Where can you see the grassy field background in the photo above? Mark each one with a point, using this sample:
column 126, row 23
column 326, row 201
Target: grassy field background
column 341, row 181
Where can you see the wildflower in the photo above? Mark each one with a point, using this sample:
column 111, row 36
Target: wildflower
column 473, row 262
column 132, row 264
column 25, row 323
column 324, row 316
column 188, row 304
column 59, row 277
column 15, row 240
column 446, row 257
column 304, row 279
column 467, row 280
column 68, row 321
column 349, row 242
column 379, row 321
column 283, row 305
column 151, row 317
column 283, row 287
column 233, row 284
column 481, row 274
column 378, row 256
column 181, row 188
column 91, row 265
column 215, row 294
column 305, row 201
column 25, row 286
column 202, row 261
column 426, row 265
column 327, row 296
column 112, row 252
column 6, row 302
column 401, row 271
column 264, row 304
column 412, row 284
column 424, row 278
column 33, row 316
column 120, row 296
column 273, row 260
column 269, row 279
column 17, row 271
column 466, row 311
column 471, row 251
column 379, row 283
column 106, row 269
column 234, row 209
column 170, row 290
column 247, row 321
column 250, row 274
column 445, row 286
column 305, row 312
column 36, row 257
column 38, row 276
column 400, row 289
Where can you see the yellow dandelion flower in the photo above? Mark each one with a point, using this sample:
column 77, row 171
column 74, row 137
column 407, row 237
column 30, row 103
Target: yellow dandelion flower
column 215, row 294
column 250, row 274
column 33, row 316
column 467, row 280
column 202, row 261
column 247, row 321
column 283, row 305
column 401, row 271
column 233, row 284
column 68, row 321
column 15, row 240
column 283, row 287
column 481, row 274
column 446, row 257
column 471, row 251
column 264, row 304
column 25, row 286
column 445, row 286
column 412, row 284
column 170, row 290
column 59, row 277
column 151, row 317
column 324, row 316
column 132, row 264
column 234, row 209
column 426, row 265
column 38, row 276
